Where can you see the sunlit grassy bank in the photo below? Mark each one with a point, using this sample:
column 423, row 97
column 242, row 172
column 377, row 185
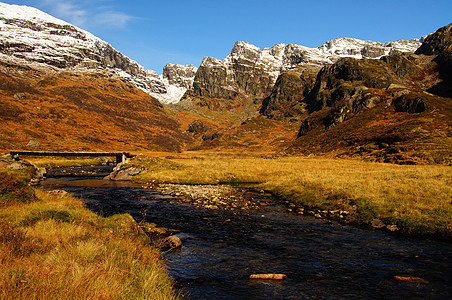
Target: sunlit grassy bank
column 52, row 247
column 418, row 199
column 58, row 162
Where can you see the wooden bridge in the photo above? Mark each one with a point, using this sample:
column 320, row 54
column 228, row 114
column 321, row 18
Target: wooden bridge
column 120, row 156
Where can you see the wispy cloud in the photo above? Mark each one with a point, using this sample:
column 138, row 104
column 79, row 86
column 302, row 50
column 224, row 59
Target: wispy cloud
column 87, row 14
column 70, row 12
column 114, row 18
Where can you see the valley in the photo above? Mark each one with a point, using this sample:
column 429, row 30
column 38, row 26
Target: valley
column 350, row 137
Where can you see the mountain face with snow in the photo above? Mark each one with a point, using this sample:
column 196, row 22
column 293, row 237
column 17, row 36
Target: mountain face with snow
column 29, row 36
column 252, row 71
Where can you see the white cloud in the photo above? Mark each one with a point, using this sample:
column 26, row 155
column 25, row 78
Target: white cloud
column 87, row 14
column 71, row 13
column 113, row 18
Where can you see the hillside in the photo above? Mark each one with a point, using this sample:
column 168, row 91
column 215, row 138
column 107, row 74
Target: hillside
column 81, row 111
column 61, row 88
column 393, row 109
column 396, row 109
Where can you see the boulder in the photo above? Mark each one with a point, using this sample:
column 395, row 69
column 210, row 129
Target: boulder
column 377, row 223
column 34, row 144
column 169, row 243
column 408, row 104
column 125, row 174
column 196, row 127
column 211, row 137
column 20, row 96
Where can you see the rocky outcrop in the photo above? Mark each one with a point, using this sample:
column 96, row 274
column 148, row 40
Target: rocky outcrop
column 351, row 86
column 33, row 144
column 179, row 75
column 287, row 92
column 285, row 100
column 197, row 127
column 38, row 174
column 247, row 70
column 250, row 71
column 437, row 42
column 440, row 44
column 383, row 109
column 348, row 80
column 409, row 104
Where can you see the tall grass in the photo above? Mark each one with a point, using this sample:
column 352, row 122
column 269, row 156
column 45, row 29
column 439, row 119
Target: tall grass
column 418, row 198
column 54, row 248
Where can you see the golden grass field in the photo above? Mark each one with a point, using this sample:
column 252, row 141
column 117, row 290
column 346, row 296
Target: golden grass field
column 418, row 198
column 52, row 247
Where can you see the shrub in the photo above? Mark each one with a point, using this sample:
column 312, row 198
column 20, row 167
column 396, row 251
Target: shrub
column 14, row 188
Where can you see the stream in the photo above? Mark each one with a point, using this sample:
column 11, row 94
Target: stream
column 221, row 248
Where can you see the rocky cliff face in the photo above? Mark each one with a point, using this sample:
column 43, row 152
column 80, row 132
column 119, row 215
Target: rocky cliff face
column 179, row 75
column 291, row 87
column 440, row 44
column 247, row 70
column 394, row 109
column 251, row 72
column 401, row 82
column 306, row 62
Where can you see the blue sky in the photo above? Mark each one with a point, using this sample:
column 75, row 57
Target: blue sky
column 158, row 32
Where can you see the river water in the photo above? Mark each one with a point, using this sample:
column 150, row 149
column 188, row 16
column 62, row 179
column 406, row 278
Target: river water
column 322, row 260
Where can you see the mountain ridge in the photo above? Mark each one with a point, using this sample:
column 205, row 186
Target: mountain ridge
column 348, row 97
column 31, row 35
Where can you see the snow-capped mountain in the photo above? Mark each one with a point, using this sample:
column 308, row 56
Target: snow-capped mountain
column 29, row 36
column 250, row 70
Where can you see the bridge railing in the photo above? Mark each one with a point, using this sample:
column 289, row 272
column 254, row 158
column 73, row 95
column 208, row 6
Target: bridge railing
column 120, row 156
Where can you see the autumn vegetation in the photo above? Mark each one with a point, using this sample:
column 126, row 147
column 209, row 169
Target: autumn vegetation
column 416, row 198
column 52, row 247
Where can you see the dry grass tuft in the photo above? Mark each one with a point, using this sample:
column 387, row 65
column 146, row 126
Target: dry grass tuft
column 54, row 248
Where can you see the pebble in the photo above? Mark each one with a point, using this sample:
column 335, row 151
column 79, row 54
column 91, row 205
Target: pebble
column 225, row 197
column 213, row 196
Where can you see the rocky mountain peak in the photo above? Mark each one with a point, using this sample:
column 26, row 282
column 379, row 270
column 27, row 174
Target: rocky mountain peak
column 244, row 49
column 29, row 36
column 179, row 75
column 250, row 71
column 437, row 42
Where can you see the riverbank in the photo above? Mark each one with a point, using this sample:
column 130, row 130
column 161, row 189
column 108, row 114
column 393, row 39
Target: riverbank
column 52, row 247
column 412, row 200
